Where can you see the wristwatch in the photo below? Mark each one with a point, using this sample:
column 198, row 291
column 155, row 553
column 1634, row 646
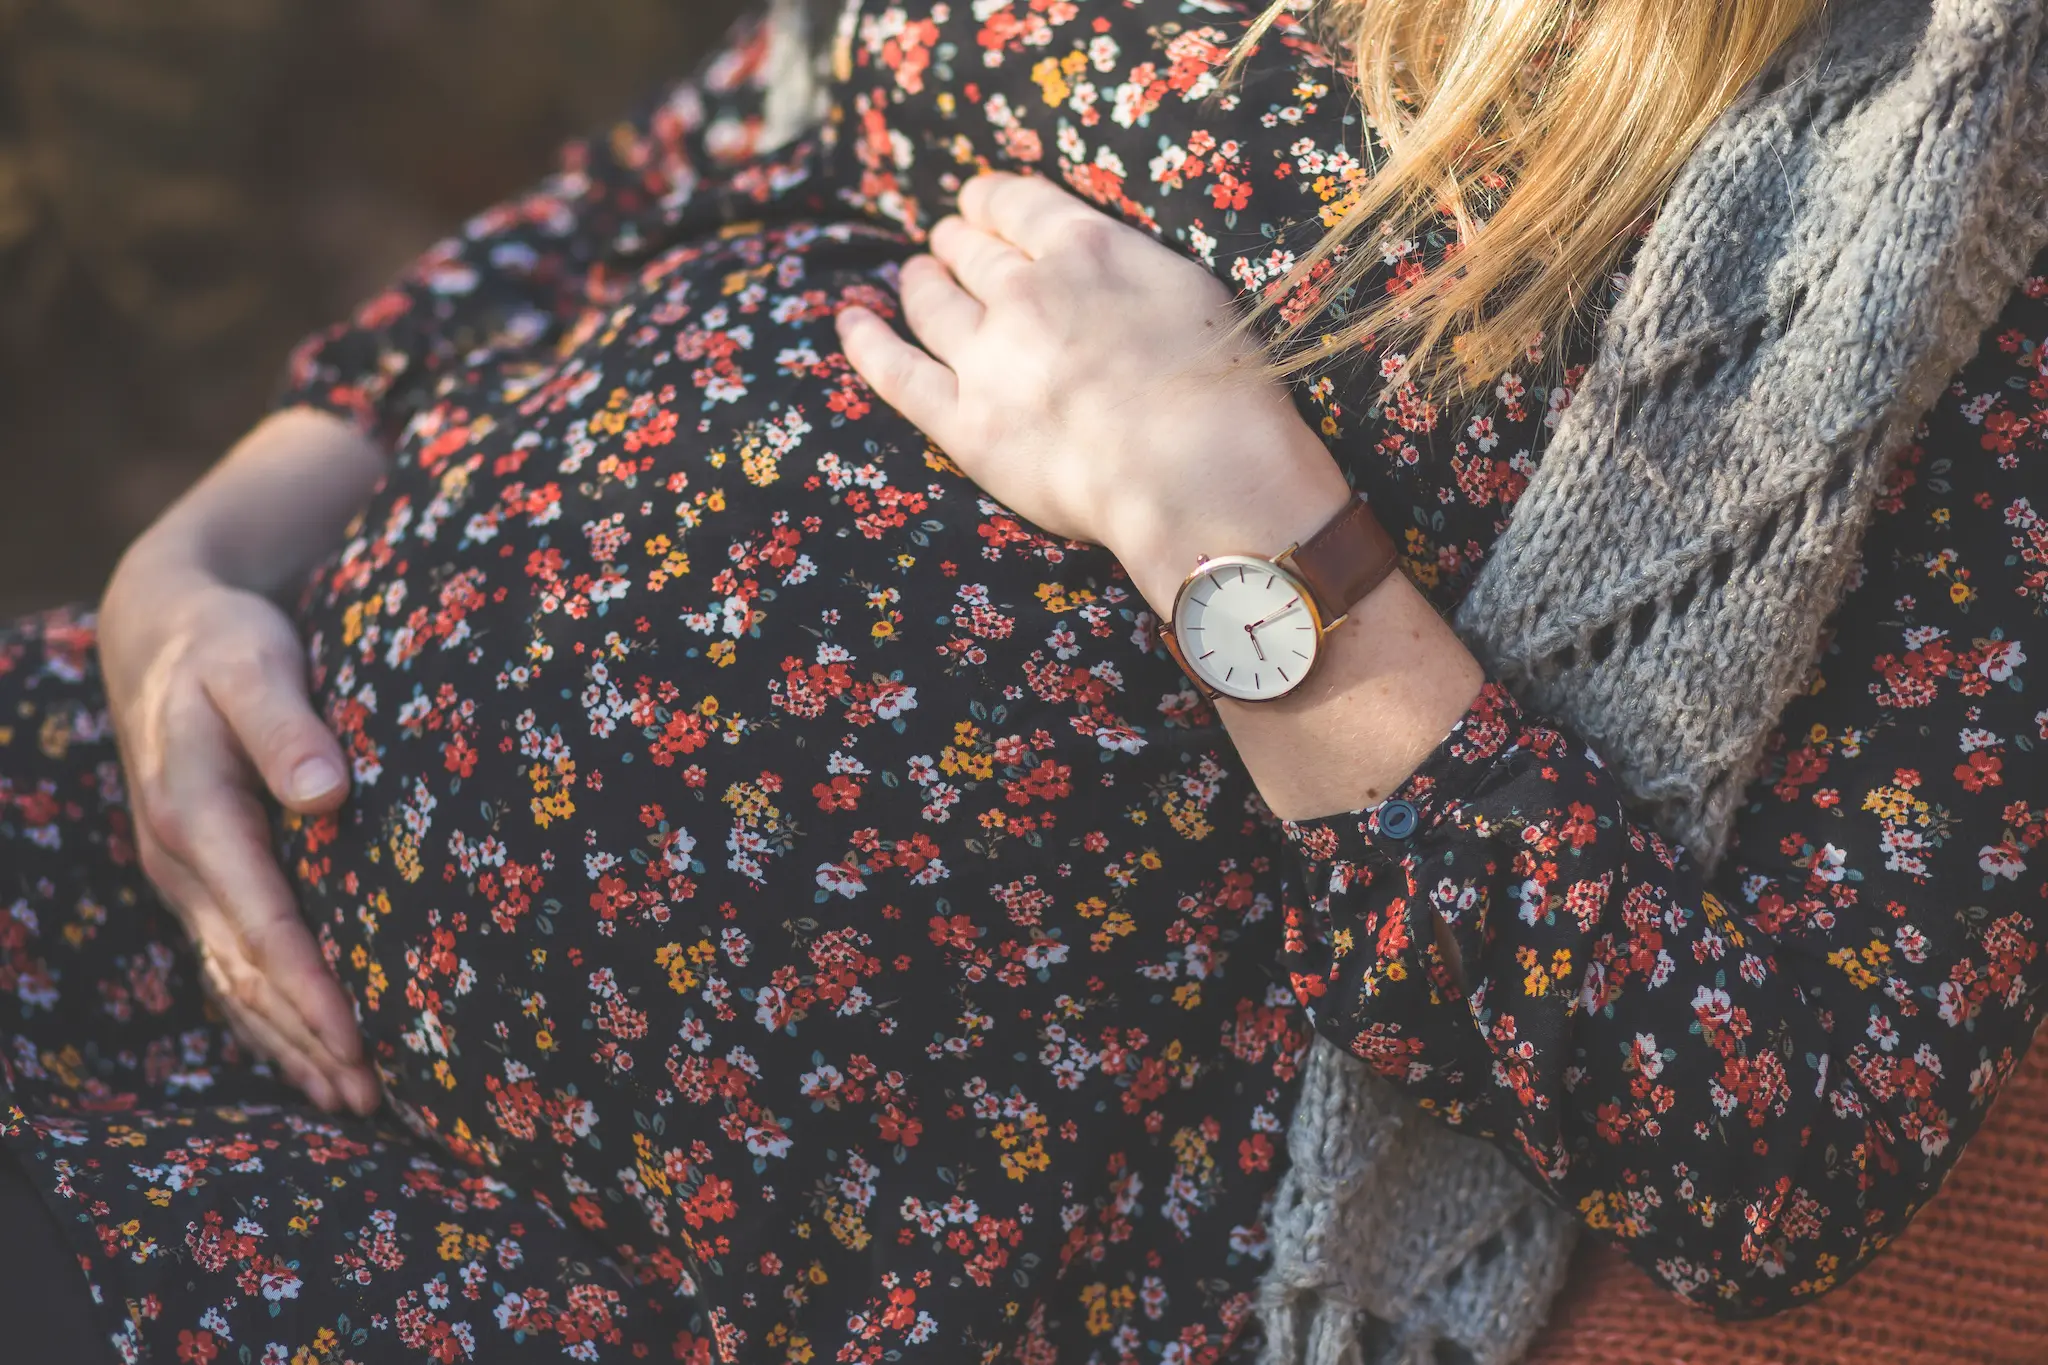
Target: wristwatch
column 1251, row 628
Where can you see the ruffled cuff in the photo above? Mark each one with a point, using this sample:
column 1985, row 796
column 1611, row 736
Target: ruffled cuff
column 1375, row 951
column 376, row 369
column 1463, row 762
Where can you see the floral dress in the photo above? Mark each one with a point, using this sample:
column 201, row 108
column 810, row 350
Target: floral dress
column 801, row 913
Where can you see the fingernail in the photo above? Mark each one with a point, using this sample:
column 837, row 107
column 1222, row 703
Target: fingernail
column 314, row 778
column 362, row 1091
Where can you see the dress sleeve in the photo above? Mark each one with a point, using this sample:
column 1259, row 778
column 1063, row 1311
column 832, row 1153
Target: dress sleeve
column 1750, row 1081
column 711, row 149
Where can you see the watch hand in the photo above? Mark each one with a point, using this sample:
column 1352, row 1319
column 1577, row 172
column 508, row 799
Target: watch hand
column 1275, row 616
column 1252, row 632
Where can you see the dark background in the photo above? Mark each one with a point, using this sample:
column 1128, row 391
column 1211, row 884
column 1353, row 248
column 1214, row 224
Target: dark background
column 188, row 186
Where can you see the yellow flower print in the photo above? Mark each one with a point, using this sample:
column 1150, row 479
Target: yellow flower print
column 1117, row 925
column 1058, row 599
column 551, row 785
column 1054, row 76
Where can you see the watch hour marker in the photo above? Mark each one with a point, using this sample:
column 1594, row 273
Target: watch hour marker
column 1204, row 656
column 1284, row 677
column 1297, row 654
column 1227, row 674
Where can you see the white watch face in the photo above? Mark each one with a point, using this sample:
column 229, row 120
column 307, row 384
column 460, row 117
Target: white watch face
column 1246, row 628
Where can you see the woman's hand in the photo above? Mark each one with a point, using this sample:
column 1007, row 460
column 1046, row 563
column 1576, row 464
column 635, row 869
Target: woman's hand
column 208, row 694
column 1091, row 379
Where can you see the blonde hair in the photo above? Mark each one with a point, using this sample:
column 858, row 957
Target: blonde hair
column 1587, row 108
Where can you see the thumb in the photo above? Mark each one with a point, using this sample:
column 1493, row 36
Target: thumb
column 299, row 759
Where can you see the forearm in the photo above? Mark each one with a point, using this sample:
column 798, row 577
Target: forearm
column 270, row 509
column 206, row 687
column 1391, row 681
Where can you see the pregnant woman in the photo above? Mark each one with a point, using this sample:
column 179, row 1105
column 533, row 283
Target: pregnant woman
column 841, row 730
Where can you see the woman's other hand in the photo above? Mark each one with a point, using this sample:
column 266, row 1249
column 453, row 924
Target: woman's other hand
column 1092, row 380
column 207, row 688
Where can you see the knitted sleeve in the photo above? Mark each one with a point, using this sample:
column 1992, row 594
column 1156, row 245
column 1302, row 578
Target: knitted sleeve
column 1749, row 1080
column 523, row 272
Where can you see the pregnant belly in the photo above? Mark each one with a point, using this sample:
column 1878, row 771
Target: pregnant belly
column 779, row 858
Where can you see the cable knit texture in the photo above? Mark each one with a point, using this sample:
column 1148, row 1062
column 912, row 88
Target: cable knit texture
column 1830, row 254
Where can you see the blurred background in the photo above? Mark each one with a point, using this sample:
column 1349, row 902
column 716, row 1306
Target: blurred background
column 188, row 186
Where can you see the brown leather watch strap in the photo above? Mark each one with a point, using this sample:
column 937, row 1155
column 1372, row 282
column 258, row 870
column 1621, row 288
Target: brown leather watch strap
column 1348, row 558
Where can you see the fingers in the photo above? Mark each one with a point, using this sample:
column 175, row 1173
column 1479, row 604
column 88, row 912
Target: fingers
column 217, row 842
column 299, row 1068
column 227, row 847
column 1028, row 211
column 983, row 264
column 940, row 313
column 212, row 825
column 224, row 694
column 903, row 376
column 355, row 1088
column 257, row 1007
column 263, row 700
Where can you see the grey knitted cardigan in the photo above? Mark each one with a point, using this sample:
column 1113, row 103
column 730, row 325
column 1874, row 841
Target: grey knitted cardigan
column 1828, row 257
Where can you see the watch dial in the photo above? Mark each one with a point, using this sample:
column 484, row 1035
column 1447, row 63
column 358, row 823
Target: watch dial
column 1246, row 628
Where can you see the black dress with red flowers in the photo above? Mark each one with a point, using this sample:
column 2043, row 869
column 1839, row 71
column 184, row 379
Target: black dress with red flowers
column 802, row 914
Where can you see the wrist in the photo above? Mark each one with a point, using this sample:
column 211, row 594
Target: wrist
column 270, row 509
column 151, row 597
column 1257, row 506
column 166, row 563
